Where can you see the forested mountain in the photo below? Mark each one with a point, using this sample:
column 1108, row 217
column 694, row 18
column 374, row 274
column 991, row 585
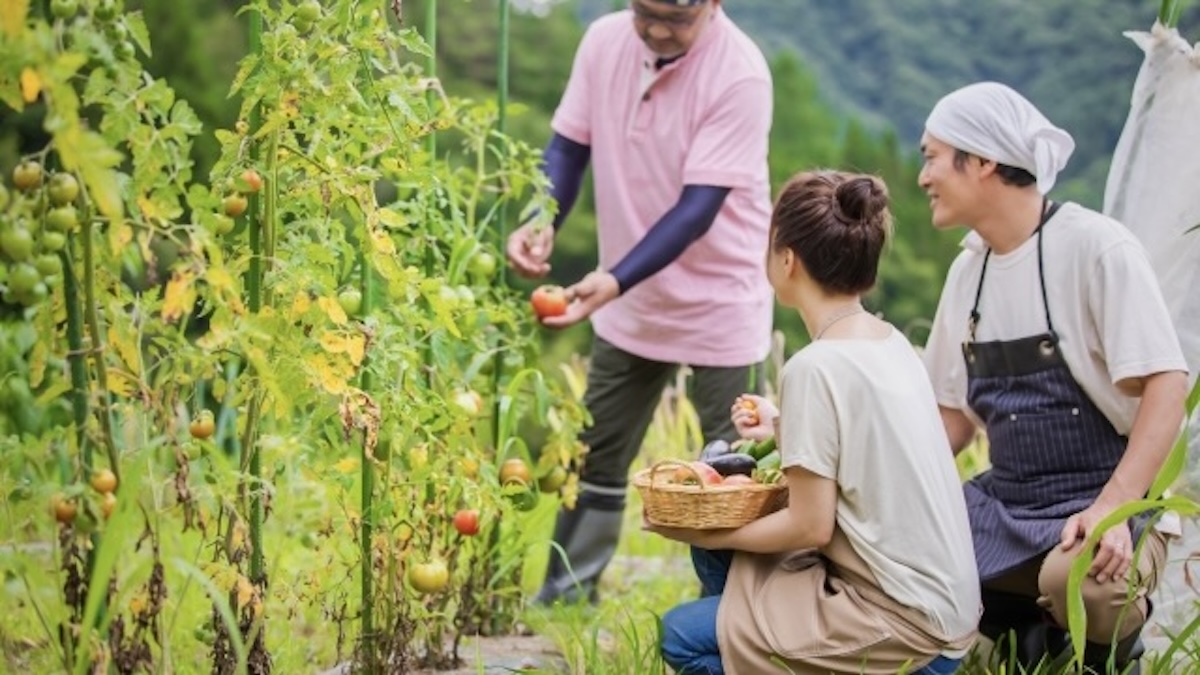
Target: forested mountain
column 887, row 62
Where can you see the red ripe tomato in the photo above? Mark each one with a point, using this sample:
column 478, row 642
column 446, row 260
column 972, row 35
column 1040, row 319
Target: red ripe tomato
column 549, row 300
column 466, row 521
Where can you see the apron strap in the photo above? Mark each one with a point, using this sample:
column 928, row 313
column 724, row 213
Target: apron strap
column 1048, row 210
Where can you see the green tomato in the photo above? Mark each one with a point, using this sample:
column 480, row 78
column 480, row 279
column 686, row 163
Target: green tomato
column 17, row 243
column 482, row 266
column 309, row 11
column 62, row 219
column 107, row 10
column 22, row 278
column 64, row 9
column 27, row 175
column 48, row 264
column 63, row 189
column 351, row 301
column 125, row 51
column 222, row 225
column 54, row 241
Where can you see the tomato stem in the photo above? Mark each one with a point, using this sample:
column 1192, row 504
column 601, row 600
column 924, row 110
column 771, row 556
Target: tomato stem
column 96, row 335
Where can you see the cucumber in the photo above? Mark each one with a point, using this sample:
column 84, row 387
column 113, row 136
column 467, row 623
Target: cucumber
column 772, row 460
column 761, row 449
column 733, row 462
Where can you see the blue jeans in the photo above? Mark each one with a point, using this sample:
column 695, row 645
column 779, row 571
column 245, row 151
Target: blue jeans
column 689, row 631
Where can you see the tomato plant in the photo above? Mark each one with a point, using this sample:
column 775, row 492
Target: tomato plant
column 327, row 327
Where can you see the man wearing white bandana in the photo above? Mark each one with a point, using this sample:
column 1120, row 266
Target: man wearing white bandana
column 1052, row 337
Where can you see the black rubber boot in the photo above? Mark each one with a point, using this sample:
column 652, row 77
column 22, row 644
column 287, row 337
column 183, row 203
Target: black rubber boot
column 588, row 538
column 1022, row 632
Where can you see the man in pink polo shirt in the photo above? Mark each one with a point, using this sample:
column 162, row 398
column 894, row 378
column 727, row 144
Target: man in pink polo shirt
column 671, row 104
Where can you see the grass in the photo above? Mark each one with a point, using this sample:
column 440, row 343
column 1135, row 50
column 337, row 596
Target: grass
column 619, row 637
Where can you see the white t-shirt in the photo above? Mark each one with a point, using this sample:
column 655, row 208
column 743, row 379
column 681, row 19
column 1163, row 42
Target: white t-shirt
column 1105, row 304
column 861, row 412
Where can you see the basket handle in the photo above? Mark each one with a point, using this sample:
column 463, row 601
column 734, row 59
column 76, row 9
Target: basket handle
column 675, row 463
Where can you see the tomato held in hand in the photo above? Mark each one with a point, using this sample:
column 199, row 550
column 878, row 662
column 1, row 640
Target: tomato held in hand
column 466, row 521
column 549, row 300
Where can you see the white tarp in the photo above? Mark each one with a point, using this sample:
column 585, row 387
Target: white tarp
column 1154, row 187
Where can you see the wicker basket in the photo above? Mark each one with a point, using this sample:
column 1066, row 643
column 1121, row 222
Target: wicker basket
column 704, row 507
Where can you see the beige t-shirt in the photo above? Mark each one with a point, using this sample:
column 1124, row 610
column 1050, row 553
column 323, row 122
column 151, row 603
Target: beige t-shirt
column 1105, row 304
column 861, row 412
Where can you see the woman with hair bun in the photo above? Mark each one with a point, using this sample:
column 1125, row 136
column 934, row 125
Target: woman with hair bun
column 869, row 568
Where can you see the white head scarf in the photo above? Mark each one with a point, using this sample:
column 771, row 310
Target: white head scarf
column 993, row 121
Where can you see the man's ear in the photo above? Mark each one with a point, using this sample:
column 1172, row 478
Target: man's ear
column 987, row 167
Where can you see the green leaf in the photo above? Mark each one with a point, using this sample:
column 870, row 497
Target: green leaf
column 136, row 24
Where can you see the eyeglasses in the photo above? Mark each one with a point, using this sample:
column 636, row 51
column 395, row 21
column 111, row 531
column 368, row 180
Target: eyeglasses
column 674, row 21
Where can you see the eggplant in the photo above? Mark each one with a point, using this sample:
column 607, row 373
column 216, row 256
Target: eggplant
column 714, row 449
column 733, row 462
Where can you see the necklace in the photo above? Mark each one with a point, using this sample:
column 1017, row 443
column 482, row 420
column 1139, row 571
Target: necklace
column 836, row 317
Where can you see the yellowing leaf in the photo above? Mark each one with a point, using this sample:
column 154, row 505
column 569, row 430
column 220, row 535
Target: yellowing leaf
column 245, row 591
column 12, row 16
column 391, row 219
column 121, row 384
column 356, row 347
column 37, row 364
column 328, row 376
column 333, row 343
column 333, row 310
column 180, row 296
column 347, row 465
column 31, row 85
column 148, row 208
column 382, row 243
column 300, row 304
column 126, row 349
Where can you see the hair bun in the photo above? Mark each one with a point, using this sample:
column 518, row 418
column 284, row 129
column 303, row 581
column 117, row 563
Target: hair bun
column 860, row 200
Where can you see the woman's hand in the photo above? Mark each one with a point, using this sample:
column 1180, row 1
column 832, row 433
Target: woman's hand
column 754, row 417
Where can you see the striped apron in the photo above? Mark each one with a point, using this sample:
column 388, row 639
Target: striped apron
column 1051, row 449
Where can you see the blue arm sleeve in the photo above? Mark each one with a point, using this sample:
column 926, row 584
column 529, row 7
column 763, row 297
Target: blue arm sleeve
column 563, row 162
column 686, row 222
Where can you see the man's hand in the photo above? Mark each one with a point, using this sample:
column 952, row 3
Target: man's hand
column 754, row 417
column 1115, row 550
column 590, row 294
column 528, row 249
